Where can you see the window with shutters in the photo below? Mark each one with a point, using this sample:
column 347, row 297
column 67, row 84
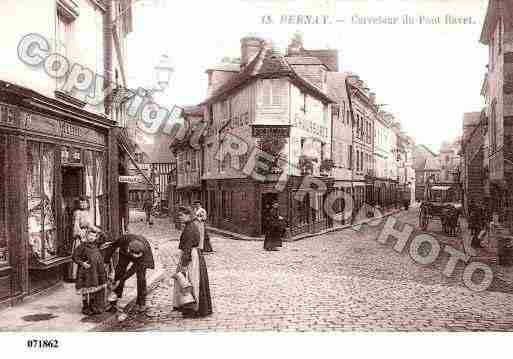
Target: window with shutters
column 194, row 159
column 63, row 34
column 276, row 92
column 499, row 38
column 272, row 92
column 493, row 127
column 209, row 157
column 350, row 157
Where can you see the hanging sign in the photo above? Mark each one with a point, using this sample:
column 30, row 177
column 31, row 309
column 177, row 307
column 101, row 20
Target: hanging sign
column 130, row 179
column 277, row 131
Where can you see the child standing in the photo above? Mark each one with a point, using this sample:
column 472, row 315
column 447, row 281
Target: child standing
column 91, row 276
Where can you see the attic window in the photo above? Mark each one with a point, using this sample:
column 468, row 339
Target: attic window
column 272, row 92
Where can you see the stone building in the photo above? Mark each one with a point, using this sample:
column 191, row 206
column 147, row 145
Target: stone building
column 58, row 139
column 473, row 174
column 497, row 34
column 278, row 103
column 427, row 166
column 306, row 122
column 189, row 158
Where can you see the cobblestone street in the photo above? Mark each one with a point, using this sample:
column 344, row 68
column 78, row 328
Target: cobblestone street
column 340, row 281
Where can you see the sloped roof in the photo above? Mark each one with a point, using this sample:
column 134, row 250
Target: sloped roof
column 495, row 9
column 427, row 149
column 432, row 163
column 337, row 85
column 195, row 110
column 471, row 118
column 268, row 63
column 158, row 151
column 326, row 56
column 303, row 60
column 225, row 66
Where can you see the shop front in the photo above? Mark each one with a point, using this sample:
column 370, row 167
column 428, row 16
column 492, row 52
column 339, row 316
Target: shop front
column 51, row 154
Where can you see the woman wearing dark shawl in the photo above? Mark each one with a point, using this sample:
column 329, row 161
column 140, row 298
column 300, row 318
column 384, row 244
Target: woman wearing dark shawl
column 275, row 229
column 192, row 263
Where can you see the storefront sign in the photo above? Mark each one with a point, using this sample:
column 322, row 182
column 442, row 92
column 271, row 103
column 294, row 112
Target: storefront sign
column 71, row 155
column 131, row 179
column 11, row 116
column 310, row 126
column 8, row 116
column 278, row 131
column 69, row 130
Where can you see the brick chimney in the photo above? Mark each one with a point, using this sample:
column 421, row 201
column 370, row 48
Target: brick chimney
column 249, row 48
column 372, row 97
column 296, row 45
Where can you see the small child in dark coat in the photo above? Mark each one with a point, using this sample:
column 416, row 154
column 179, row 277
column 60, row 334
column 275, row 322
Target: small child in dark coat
column 91, row 276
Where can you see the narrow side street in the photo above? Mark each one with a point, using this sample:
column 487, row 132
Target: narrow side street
column 340, row 281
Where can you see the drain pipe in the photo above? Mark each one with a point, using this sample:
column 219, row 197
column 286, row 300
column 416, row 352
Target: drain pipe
column 350, row 103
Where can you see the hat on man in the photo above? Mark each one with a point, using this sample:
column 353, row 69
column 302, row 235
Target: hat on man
column 136, row 247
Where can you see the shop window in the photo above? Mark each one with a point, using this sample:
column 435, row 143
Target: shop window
column 194, row 159
column 226, row 204
column 101, row 202
column 95, row 187
column 40, row 195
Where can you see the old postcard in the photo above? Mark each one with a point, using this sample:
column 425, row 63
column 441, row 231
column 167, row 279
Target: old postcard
column 255, row 165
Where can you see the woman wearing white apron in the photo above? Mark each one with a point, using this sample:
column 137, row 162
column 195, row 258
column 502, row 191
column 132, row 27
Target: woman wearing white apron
column 192, row 265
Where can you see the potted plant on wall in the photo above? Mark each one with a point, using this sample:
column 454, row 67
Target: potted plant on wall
column 272, row 146
column 326, row 167
column 305, row 164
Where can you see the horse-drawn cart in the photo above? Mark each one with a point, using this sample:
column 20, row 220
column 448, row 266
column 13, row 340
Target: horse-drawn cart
column 439, row 204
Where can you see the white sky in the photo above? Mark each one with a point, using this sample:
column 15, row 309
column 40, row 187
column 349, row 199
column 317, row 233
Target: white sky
column 428, row 75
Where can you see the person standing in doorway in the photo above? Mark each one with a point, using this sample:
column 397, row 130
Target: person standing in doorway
column 82, row 224
column 274, row 229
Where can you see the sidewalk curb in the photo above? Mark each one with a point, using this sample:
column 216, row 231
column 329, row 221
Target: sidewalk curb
column 299, row 237
column 112, row 319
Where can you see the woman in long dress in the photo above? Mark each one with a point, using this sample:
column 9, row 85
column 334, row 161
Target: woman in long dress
column 200, row 219
column 82, row 223
column 274, row 229
column 192, row 264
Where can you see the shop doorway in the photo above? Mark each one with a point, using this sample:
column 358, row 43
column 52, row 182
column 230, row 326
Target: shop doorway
column 267, row 200
column 72, row 189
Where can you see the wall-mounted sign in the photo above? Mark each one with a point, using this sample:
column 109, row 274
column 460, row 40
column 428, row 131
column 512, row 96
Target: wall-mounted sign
column 12, row 116
column 71, row 155
column 279, row 131
column 130, row 179
column 310, row 126
column 9, row 116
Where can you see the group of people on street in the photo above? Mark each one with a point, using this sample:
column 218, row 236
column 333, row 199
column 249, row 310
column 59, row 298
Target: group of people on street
column 101, row 284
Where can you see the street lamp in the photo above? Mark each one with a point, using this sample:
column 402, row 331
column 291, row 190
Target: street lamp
column 163, row 72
